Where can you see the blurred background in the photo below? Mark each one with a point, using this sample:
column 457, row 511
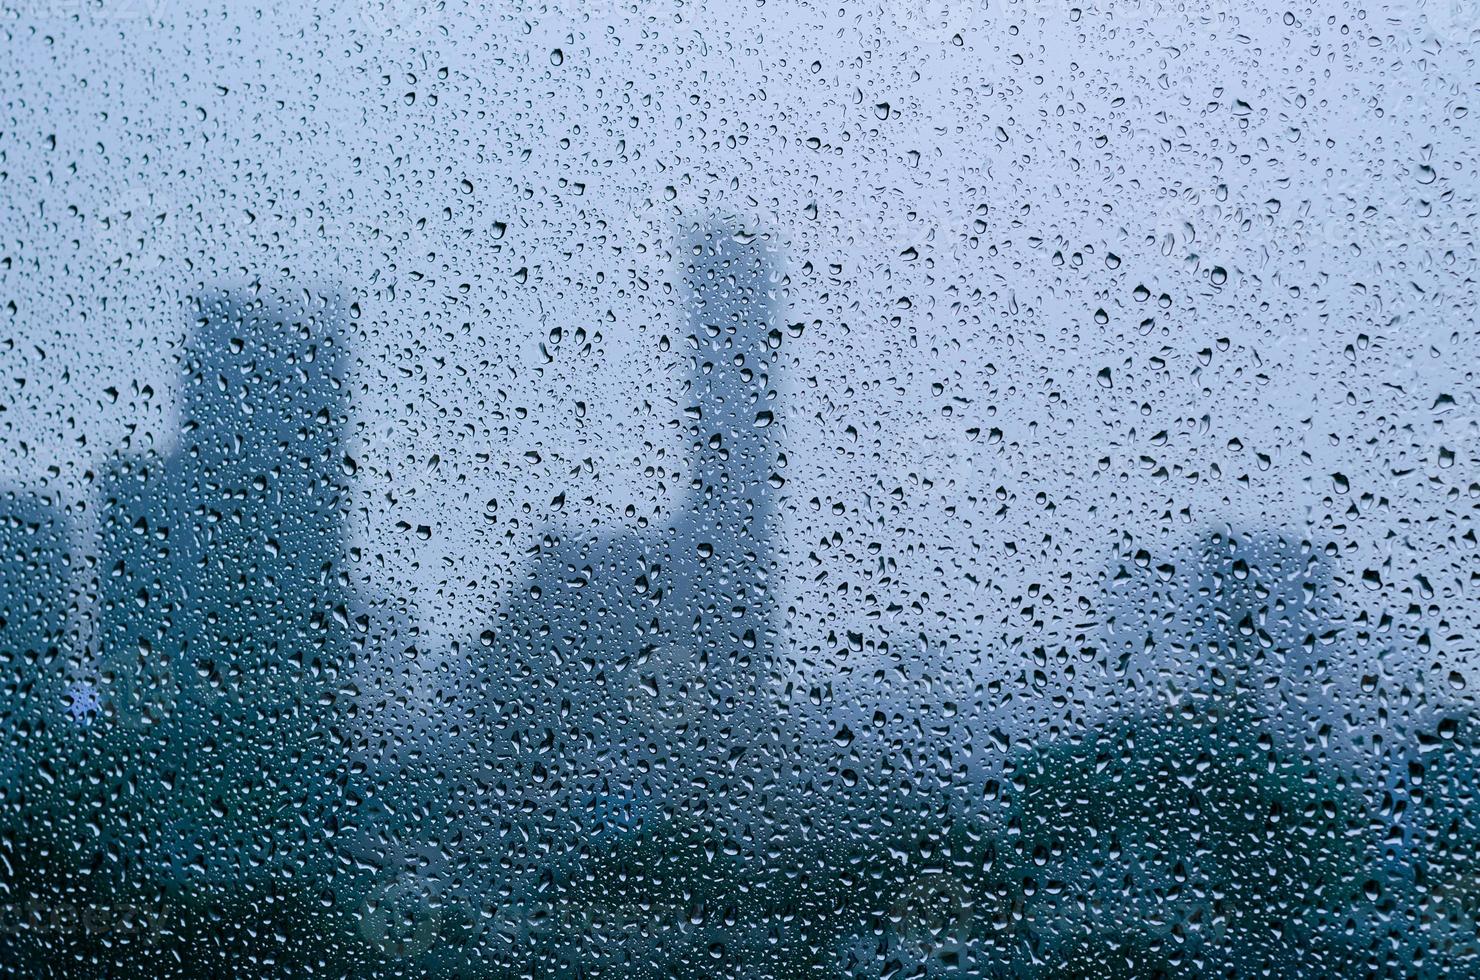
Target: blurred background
column 685, row 489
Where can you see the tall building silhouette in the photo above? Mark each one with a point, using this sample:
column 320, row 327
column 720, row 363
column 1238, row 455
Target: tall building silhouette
column 175, row 672
column 625, row 672
column 37, row 591
column 222, row 616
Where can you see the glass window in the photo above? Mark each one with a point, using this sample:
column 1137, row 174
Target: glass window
column 674, row 488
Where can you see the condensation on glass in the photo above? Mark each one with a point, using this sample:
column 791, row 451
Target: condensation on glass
column 686, row 489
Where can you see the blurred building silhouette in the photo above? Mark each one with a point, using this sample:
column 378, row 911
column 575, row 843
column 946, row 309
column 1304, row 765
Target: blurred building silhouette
column 626, row 670
column 220, row 618
column 37, row 590
column 219, row 558
column 172, row 671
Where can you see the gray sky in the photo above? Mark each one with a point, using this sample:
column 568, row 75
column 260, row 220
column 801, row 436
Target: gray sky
column 1229, row 253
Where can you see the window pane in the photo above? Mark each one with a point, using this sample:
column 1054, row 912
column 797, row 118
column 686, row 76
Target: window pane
column 901, row 488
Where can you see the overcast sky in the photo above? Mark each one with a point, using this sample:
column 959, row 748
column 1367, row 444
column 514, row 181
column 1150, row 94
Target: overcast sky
column 1103, row 273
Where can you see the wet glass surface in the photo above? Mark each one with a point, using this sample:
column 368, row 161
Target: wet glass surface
column 685, row 489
